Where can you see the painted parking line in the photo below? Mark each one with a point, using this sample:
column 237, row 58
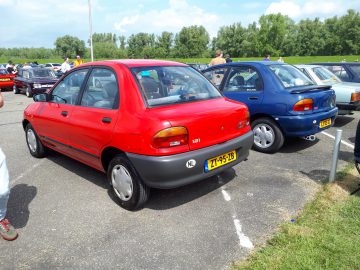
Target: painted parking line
column 244, row 241
column 12, row 182
column 343, row 142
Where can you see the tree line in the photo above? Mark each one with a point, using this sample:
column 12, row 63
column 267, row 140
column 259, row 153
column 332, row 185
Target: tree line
column 273, row 34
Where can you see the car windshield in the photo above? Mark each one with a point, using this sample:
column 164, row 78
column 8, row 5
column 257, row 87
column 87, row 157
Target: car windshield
column 325, row 76
column 290, row 76
column 3, row 71
column 43, row 72
column 170, row 85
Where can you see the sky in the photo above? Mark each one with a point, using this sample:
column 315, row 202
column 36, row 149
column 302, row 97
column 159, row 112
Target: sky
column 37, row 23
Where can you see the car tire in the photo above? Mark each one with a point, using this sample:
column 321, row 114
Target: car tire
column 268, row 137
column 16, row 90
column 126, row 183
column 36, row 148
column 29, row 92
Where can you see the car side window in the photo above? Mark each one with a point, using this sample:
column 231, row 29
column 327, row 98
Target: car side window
column 101, row 90
column 243, row 79
column 340, row 72
column 68, row 89
column 216, row 76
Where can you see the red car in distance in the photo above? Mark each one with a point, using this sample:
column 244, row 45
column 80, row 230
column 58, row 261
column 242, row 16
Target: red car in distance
column 6, row 79
column 146, row 123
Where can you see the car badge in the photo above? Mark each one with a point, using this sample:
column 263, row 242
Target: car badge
column 190, row 163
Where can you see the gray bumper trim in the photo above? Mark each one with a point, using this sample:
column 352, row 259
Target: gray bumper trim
column 171, row 171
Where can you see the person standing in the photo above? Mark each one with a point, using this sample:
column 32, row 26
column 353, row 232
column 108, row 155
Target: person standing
column 65, row 66
column 7, row 231
column 78, row 61
column 218, row 59
column 227, row 58
column 267, row 57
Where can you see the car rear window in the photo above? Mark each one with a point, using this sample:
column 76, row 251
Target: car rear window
column 173, row 84
column 326, row 76
column 290, row 76
column 44, row 72
column 355, row 69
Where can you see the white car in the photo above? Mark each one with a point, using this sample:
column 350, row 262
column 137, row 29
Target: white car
column 347, row 93
column 53, row 66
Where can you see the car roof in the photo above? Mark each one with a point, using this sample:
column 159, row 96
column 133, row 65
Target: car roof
column 307, row 65
column 337, row 63
column 258, row 63
column 136, row 63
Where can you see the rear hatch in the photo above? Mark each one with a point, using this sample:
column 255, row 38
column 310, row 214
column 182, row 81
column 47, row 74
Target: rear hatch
column 323, row 97
column 209, row 122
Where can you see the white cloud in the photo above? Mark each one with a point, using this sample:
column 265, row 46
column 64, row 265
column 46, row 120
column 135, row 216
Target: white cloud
column 305, row 9
column 6, row 2
column 179, row 14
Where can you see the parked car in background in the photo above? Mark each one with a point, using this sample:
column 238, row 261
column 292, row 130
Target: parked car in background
column 347, row 93
column 282, row 101
column 148, row 124
column 54, row 66
column 33, row 80
column 197, row 66
column 6, row 79
column 346, row 71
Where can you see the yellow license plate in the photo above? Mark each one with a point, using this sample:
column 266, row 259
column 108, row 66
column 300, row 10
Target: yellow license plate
column 4, row 79
column 219, row 161
column 325, row 123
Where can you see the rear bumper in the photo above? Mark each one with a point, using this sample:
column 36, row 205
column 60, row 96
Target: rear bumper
column 8, row 84
column 171, row 171
column 304, row 125
column 352, row 106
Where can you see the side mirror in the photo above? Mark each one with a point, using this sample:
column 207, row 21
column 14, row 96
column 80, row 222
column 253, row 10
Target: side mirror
column 40, row 97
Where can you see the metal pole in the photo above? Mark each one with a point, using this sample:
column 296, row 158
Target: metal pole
column 90, row 26
column 335, row 155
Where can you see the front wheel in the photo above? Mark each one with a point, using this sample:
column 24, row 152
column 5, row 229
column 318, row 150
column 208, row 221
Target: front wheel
column 268, row 138
column 29, row 92
column 34, row 144
column 126, row 184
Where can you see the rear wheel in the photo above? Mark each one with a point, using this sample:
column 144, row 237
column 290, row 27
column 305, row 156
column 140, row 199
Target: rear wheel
column 34, row 144
column 126, row 184
column 268, row 138
column 16, row 90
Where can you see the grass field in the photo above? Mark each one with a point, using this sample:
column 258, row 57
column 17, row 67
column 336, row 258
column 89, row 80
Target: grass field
column 326, row 235
column 290, row 60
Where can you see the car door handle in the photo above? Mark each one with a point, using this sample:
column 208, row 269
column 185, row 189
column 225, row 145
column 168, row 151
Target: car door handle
column 64, row 113
column 253, row 98
column 106, row 120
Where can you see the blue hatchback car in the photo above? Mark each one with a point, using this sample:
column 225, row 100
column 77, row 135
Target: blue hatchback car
column 282, row 101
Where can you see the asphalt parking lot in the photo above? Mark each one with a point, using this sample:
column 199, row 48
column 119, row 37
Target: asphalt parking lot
column 67, row 219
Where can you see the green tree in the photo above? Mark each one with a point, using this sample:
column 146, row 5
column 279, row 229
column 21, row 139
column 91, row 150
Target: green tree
column 349, row 31
column 231, row 39
column 310, row 38
column 274, row 30
column 191, row 41
column 164, row 44
column 68, row 46
column 137, row 43
column 251, row 44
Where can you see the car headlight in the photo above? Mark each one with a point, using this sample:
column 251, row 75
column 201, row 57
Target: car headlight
column 37, row 85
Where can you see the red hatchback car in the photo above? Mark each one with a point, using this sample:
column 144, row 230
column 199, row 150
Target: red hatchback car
column 146, row 123
column 6, row 79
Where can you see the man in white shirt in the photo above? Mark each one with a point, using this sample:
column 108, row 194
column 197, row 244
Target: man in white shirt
column 65, row 66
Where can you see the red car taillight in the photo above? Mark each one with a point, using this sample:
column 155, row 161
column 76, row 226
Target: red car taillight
column 304, row 105
column 169, row 137
column 355, row 96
